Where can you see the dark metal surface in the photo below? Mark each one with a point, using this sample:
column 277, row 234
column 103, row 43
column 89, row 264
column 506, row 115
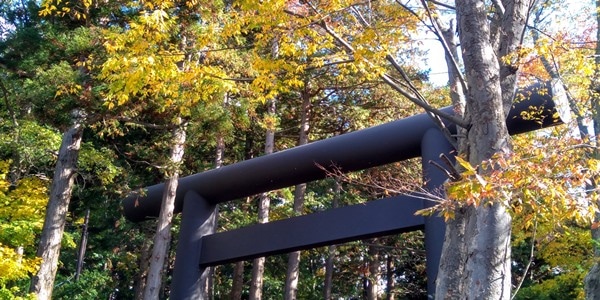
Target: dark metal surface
column 355, row 222
column 353, row 151
column 432, row 145
column 197, row 221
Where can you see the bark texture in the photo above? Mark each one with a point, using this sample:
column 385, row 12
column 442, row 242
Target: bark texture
column 238, row 281
column 374, row 271
column 449, row 281
column 208, row 284
column 291, row 281
column 329, row 262
column 491, row 86
column 162, row 237
column 264, row 206
column 592, row 279
column 143, row 262
column 454, row 252
column 56, row 212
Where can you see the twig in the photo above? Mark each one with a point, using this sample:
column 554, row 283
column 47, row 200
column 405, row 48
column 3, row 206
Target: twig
column 531, row 256
column 438, row 32
column 449, row 173
column 443, row 4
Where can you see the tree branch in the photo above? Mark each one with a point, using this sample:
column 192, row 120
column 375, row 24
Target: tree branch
column 387, row 79
column 531, row 257
column 443, row 4
column 438, row 32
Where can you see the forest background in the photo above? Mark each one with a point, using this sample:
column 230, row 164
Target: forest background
column 100, row 98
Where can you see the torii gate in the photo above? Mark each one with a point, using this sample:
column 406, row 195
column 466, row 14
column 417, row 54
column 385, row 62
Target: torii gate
column 198, row 195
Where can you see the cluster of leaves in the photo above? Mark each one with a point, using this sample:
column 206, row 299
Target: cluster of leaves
column 547, row 182
column 157, row 60
column 22, row 208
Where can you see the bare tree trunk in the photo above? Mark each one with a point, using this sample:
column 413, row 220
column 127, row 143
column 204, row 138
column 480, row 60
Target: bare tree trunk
column 162, row 236
column 390, row 281
column 238, row 269
column 454, row 250
column 264, row 204
column 592, row 279
column 82, row 245
column 291, row 281
column 238, row 281
column 208, row 284
column 56, row 211
column 374, row 271
column 449, row 279
column 488, row 230
column 143, row 263
column 327, row 285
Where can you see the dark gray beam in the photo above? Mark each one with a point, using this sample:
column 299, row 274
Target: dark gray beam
column 198, row 220
column 355, row 222
column 432, row 146
column 371, row 147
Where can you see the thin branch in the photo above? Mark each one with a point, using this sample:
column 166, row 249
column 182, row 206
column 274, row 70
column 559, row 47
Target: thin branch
column 450, row 166
column 360, row 17
column 225, row 49
column 407, row 188
column 333, row 63
column 452, row 118
column 438, row 32
column 387, row 79
column 412, row 12
column 449, row 172
column 531, row 257
column 443, row 4
column 436, row 117
column 145, row 124
column 137, row 161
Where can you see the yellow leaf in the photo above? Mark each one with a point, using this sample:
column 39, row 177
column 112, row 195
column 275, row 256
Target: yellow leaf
column 469, row 170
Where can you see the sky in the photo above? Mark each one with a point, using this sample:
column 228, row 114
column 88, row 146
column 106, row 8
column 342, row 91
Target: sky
column 572, row 19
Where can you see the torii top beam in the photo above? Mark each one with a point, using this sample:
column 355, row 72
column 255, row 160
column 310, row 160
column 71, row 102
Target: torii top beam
column 358, row 150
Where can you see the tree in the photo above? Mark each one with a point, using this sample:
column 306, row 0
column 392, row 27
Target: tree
column 164, row 64
column 20, row 213
column 264, row 202
column 592, row 280
column 28, row 27
column 152, row 68
column 65, row 172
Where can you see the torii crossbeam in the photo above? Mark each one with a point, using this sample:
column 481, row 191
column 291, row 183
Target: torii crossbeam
column 197, row 195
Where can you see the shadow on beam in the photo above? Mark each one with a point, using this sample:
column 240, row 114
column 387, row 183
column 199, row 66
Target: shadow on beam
column 334, row 226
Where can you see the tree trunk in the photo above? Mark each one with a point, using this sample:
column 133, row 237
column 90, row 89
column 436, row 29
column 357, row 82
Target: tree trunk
column 454, row 254
column 143, row 262
column 389, row 277
column 291, row 281
column 238, row 281
column 374, row 271
column 208, row 284
column 488, row 229
column 264, row 203
column 82, row 245
column 592, row 279
column 454, row 251
column 162, row 236
column 327, row 285
column 56, row 211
